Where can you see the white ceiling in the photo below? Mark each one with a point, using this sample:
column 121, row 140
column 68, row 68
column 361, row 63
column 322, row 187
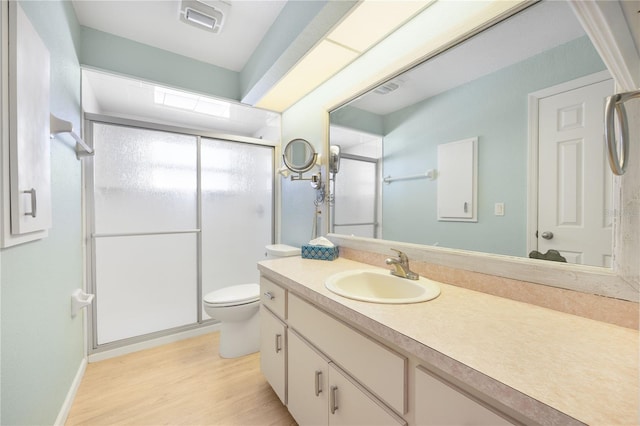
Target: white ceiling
column 539, row 28
column 156, row 23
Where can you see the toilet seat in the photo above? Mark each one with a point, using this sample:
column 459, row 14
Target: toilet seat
column 235, row 295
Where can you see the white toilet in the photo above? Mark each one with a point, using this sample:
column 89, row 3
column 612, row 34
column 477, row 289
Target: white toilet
column 237, row 307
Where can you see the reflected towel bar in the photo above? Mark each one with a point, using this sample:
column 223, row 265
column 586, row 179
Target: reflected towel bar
column 430, row 174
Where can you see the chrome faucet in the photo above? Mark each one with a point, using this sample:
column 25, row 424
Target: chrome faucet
column 401, row 265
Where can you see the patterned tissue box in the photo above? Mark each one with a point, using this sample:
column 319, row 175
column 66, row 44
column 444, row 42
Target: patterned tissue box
column 319, row 252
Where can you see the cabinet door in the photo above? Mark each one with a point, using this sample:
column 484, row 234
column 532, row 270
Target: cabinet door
column 350, row 404
column 273, row 352
column 439, row 404
column 29, row 142
column 308, row 391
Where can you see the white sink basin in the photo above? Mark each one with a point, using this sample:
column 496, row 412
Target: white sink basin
column 370, row 285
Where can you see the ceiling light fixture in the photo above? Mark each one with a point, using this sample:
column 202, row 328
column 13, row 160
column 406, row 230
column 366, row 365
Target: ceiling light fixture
column 206, row 14
column 367, row 24
column 188, row 102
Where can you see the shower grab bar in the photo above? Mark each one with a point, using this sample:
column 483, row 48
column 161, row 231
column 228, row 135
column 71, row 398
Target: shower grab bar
column 617, row 161
column 142, row 234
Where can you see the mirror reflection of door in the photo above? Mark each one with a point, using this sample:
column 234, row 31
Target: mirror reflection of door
column 574, row 181
column 355, row 207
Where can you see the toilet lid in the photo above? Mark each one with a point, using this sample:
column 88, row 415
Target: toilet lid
column 233, row 295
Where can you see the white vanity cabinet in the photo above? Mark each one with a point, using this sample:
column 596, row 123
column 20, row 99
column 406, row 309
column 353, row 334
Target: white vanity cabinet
column 273, row 336
column 308, row 380
column 320, row 393
column 273, row 350
column 438, row 403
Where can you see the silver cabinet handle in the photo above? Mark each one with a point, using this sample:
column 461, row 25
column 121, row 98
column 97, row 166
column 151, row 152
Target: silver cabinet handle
column 269, row 295
column 34, row 206
column 278, row 342
column 318, row 385
column 618, row 163
column 466, row 207
column 333, row 397
column 547, row 235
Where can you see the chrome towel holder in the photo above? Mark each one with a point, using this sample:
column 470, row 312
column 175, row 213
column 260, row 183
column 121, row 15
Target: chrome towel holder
column 617, row 161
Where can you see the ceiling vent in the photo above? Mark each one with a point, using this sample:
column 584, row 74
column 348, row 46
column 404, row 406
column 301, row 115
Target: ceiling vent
column 206, row 15
column 387, row 87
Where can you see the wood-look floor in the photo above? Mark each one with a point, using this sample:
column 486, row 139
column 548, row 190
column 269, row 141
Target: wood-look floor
column 182, row 383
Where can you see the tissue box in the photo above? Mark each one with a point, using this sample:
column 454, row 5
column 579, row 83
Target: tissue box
column 319, row 252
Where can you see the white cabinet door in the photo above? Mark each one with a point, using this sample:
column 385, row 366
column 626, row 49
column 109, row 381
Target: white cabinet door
column 350, row 404
column 458, row 181
column 308, row 378
column 439, row 404
column 29, row 142
column 273, row 352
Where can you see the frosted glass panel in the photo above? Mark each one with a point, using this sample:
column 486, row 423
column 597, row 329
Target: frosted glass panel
column 237, row 211
column 145, row 180
column 145, row 284
column 355, row 197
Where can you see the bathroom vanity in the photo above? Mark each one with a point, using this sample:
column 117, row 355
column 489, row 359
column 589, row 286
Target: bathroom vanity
column 463, row 358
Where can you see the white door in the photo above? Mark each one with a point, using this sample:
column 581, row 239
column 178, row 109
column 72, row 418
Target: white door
column 574, row 181
column 349, row 405
column 308, row 375
column 272, row 352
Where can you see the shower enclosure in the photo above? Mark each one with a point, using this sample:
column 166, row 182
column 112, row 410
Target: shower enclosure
column 171, row 215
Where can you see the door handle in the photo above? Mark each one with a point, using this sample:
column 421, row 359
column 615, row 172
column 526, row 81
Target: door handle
column 278, row 342
column 333, row 403
column 34, row 205
column 318, row 386
column 547, row 235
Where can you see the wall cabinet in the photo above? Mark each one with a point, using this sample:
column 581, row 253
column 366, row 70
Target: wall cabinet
column 26, row 169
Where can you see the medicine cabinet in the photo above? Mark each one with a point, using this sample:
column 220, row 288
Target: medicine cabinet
column 26, row 167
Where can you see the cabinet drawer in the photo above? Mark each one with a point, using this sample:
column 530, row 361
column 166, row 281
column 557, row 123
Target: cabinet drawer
column 273, row 297
column 439, row 403
column 377, row 367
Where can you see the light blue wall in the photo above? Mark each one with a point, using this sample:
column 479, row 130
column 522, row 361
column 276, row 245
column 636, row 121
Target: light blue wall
column 293, row 18
column 119, row 55
column 493, row 108
column 42, row 346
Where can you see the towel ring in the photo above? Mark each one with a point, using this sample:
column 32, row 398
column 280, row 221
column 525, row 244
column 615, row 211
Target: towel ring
column 614, row 104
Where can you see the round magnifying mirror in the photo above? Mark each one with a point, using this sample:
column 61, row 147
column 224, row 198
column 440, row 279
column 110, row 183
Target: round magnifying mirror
column 299, row 156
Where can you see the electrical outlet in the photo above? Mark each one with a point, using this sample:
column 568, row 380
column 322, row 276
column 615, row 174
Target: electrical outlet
column 498, row 209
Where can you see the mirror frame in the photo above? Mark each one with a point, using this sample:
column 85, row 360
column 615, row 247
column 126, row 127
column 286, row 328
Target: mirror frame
column 307, row 166
column 615, row 45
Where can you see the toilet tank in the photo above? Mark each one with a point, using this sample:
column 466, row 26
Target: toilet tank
column 281, row 250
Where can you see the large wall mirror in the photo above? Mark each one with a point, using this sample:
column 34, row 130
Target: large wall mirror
column 494, row 146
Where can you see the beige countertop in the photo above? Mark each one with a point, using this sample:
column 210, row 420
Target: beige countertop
column 552, row 367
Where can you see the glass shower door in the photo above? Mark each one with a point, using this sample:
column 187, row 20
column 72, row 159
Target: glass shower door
column 355, row 197
column 145, row 235
column 237, row 211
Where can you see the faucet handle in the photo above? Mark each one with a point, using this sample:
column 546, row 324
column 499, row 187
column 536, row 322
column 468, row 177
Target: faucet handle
column 402, row 256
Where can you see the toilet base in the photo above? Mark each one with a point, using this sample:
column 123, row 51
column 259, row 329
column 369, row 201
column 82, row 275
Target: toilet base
column 239, row 338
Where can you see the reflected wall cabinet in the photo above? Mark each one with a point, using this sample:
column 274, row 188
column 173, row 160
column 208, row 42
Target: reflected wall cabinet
column 26, row 163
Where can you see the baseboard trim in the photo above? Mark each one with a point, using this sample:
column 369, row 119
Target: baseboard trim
column 135, row 347
column 68, row 401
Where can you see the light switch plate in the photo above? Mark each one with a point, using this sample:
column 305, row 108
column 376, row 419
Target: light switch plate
column 498, row 209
